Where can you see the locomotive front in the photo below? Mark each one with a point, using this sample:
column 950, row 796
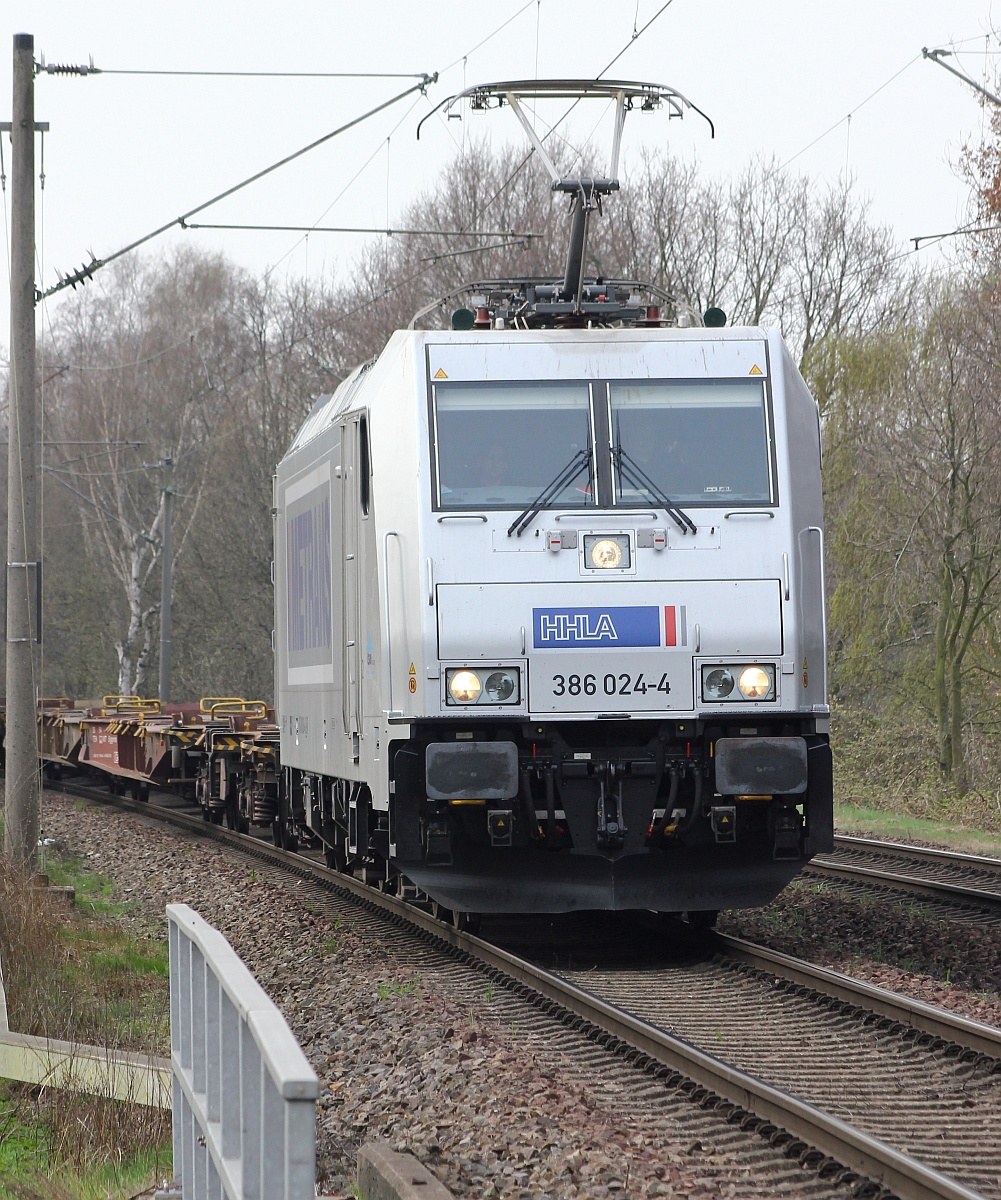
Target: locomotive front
column 550, row 620
column 606, row 622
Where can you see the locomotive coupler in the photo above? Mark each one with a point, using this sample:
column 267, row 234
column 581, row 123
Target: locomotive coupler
column 611, row 823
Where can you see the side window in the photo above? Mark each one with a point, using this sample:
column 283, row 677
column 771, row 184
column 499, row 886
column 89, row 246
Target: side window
column 364, row 466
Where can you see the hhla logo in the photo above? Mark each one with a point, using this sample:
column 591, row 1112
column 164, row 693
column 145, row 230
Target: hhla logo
column 576, row 627
column 611, row 625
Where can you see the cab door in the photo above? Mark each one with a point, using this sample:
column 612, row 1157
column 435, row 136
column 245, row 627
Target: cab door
column 350, row 580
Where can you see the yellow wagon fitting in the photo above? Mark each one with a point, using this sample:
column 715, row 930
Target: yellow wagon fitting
column 249, row 708
column 132, row 705
column 208, row 703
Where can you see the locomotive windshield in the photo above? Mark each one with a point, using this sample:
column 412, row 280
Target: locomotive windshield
column 499, row 445
column 672, row 442
column 697, row 441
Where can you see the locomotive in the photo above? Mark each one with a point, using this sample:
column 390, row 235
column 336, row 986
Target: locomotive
column 549, row 607
column 549, row 598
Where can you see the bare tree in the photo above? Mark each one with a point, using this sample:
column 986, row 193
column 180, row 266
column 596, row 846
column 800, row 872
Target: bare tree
column 146, row 354
column 225, row 610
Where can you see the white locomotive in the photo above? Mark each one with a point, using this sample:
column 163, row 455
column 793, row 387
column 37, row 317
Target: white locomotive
column 550, row 624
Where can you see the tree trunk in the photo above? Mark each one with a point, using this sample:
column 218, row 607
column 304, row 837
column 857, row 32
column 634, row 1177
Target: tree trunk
column 958, row 774
column 941, row 674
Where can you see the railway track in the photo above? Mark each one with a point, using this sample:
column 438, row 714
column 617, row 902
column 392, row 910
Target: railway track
column 966, row 886
column 842, row 1076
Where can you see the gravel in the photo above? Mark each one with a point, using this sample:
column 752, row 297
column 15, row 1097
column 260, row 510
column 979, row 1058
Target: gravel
column 411, row 1046
column 897, row 944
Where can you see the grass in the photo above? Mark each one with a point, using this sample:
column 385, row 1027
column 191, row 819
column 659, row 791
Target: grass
column 25, row 1172
column 79, row 976
column 406, row 988
column 899, row 826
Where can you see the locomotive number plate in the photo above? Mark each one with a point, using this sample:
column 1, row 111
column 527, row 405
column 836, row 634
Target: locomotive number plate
column 619, row 683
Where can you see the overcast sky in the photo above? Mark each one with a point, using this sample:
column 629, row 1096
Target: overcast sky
column 127, row 153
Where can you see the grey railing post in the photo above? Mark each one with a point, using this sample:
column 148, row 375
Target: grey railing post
column 243, row 1093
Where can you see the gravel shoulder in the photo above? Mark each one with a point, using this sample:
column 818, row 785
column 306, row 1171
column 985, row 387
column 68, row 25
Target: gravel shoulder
column 900, row 945
column 411, row 1046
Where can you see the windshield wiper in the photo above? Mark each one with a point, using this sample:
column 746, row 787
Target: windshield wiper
column 631, row 471
column 566, row 475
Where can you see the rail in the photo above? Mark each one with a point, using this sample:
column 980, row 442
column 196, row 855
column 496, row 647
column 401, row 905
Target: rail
column 244, row 1119
column 860, row 1152
column 900, row 881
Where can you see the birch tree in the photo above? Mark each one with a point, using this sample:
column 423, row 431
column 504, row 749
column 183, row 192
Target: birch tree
column 147, row 354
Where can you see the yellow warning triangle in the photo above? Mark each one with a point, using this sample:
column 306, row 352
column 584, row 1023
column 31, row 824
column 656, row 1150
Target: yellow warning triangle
column 440, row 374
column 413, row 669
column 755, row 370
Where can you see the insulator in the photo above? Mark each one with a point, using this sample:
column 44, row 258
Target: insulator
column 69, row 69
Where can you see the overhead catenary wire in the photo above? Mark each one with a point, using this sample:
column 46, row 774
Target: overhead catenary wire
column 388, row 232
column 87, row 271
column 463, row 59
column 848, row 116
column 932, row 238
column 249, row 74
column 347, row 186
column 469, row 53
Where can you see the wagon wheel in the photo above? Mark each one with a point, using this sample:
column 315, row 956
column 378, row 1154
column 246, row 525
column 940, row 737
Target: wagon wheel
column 334, row 856
column 466, row 922
column 702, row 918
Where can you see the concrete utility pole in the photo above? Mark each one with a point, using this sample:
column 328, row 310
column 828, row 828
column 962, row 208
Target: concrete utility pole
column 23, row 558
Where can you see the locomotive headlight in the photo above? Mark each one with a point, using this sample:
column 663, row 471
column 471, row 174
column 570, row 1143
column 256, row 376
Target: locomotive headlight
column 729, row 683
column 717, row 683
column 464, row 686
column 755, row 683
column 606, row 553
column 500, row 686
column 482, row 687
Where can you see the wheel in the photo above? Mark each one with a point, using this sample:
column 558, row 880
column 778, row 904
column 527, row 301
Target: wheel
column 334, row 856
column 466, row 922
column 276, row 831
column 142, row 791
column 289, row 841
column 702, row 919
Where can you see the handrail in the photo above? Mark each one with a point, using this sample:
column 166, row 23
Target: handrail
column 131, row 704
column 253, row 708
column 823, row 600
column 389, row 627
column 244, row 1095
column 207, row 703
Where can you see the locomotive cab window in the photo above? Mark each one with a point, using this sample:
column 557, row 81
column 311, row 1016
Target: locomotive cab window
column 364, row 466
column 696, row 442
column 501, row 445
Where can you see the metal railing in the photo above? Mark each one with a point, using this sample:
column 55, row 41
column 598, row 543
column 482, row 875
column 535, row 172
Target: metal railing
column 244, row 1119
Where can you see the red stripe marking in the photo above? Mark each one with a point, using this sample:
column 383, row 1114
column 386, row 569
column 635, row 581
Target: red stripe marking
column 670, row 625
